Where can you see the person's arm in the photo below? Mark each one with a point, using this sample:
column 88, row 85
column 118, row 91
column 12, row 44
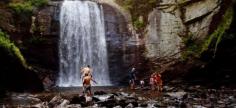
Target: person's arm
column 82, row 78
column 81, row 72
column 135, row 78
column 94, row 81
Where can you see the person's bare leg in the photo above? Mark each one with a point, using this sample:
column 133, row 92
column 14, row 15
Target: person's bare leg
column 131, row 86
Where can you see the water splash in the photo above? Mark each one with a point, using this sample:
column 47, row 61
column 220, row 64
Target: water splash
column 82, row 42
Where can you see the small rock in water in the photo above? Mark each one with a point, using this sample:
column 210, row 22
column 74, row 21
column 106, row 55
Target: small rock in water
column 103, row 97
column 117, row 107
column 178, row 95
column 40, row 105
column 74, row 106
column 130, row 105
column 146, row 88
column 167, row 88
column 132, row 101
column 220, row 102
column 157, row 105
column 140, row 98
column 132, row 95
column 95, row 106
column 124, row 94
column 232, row 98
column 198, row 106
column 64, row 103
column 55, row 99
column 232, row 105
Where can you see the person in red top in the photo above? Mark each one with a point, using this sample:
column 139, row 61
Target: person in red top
column 158, row 81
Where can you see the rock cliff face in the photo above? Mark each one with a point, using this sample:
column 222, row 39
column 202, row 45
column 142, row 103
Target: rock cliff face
column 174, row 20
column 163, row 40
column 170, row 26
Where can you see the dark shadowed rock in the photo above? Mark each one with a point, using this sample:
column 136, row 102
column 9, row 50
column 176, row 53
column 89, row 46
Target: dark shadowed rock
column 143, row 105
column 122, row 103
column 108, row 103
column 157, row 105
column 79, row 100
column 132, row 101
column 95, row 99
column 99, row 93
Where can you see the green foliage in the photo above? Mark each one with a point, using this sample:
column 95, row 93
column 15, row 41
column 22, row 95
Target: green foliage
column 19, row 8
column 138, row 8
column 128, row 4
column 11, row 48
column 38, row 3
column 27, row 6
column 138, row 24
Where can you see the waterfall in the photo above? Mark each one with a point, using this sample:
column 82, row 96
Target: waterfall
column 82, row 42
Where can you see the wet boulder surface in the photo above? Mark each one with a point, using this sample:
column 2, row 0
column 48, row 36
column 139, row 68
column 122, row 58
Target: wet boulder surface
column 172, row 96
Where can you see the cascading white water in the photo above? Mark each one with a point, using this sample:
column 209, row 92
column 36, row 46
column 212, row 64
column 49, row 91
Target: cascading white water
column 82, row 43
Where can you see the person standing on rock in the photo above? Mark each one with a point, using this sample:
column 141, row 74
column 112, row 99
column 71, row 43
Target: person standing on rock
column 132, row 78
column 86, row 70
column 158, row 81
column 87, row 84
column 152, row 82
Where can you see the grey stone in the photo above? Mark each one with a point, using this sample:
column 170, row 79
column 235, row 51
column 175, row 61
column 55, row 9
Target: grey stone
column 41, row 105
column 103, row 97
column 130, row 105
column 178, row 95
column 117, row 107
column 64, row 103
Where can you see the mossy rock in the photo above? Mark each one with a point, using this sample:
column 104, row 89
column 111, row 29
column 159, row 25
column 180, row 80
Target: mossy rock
column 195, row 50
column 15, row 74
column 138, row 8
column 12, row 51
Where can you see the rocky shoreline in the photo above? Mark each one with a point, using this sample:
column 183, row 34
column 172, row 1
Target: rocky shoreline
column 172, row 97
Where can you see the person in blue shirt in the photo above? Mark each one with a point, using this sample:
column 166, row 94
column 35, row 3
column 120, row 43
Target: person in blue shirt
column 132, row 78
